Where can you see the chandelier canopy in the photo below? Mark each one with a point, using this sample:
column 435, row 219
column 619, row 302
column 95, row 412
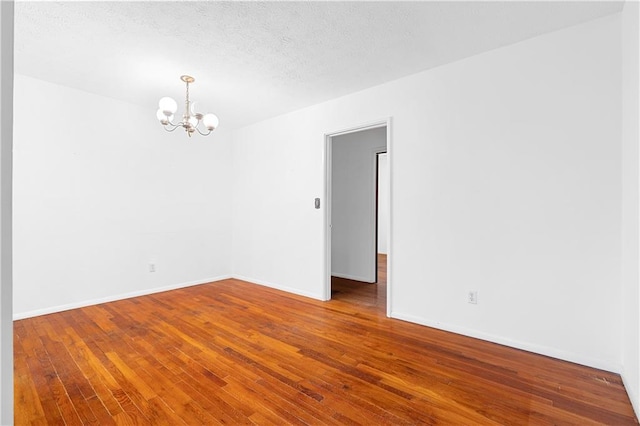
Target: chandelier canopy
column 191, row 119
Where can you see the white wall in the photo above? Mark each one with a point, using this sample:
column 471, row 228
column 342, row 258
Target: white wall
column 630, row 201
column 276, row 228
column 383, row 203
column 6, row 286
column 100, row 189
column 505, row 180
column 353, row 198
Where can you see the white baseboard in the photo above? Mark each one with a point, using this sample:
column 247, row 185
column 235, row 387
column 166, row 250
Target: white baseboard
column 543, row 350
column 353, row 277
column 631, row 392
column 538, row 349
column 279, row 287
column 82, row 304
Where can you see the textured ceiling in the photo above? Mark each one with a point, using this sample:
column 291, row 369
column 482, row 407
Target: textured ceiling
column 255, row 60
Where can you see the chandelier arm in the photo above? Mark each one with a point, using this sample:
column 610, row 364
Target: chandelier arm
column 203, row 134
column 171, row 129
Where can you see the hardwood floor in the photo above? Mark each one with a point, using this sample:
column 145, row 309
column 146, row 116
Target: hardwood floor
column 231, row 352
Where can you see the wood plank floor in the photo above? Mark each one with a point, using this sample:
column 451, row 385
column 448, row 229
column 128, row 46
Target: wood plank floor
column 231, row 352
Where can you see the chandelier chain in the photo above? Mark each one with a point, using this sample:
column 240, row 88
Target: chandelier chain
column 187, row 113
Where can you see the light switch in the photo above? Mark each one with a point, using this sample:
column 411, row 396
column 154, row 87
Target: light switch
column 317, row 203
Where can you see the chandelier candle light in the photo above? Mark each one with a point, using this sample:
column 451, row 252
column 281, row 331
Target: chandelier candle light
column 191, row 119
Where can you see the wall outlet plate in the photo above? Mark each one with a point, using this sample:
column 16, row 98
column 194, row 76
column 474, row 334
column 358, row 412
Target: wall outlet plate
column 472, row 297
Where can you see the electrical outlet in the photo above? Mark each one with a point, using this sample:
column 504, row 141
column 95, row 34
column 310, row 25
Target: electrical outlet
column 472, row 297
column 152, row 267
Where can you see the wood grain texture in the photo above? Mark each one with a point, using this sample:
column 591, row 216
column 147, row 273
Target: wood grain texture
column 231, row 352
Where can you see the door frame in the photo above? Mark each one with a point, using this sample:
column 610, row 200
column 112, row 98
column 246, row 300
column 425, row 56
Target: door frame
column 376, row 202
column 327, row 211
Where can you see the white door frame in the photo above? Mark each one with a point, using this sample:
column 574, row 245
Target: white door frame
column 327, row 211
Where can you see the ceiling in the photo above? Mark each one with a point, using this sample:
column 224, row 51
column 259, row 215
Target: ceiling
column 255, row 60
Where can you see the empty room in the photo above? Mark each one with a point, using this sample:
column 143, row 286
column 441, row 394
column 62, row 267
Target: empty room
column 319, row 212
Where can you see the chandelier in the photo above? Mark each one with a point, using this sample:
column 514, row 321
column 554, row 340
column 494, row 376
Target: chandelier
column 191, row 119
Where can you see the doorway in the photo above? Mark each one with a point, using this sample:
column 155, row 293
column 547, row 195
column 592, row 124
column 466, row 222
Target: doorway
column 352, row 216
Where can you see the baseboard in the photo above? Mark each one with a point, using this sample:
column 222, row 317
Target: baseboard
column 631, row 393
column 352, row 277
column 538, row 349
column 543, row 350
column 82, row 304
column 278, row 287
